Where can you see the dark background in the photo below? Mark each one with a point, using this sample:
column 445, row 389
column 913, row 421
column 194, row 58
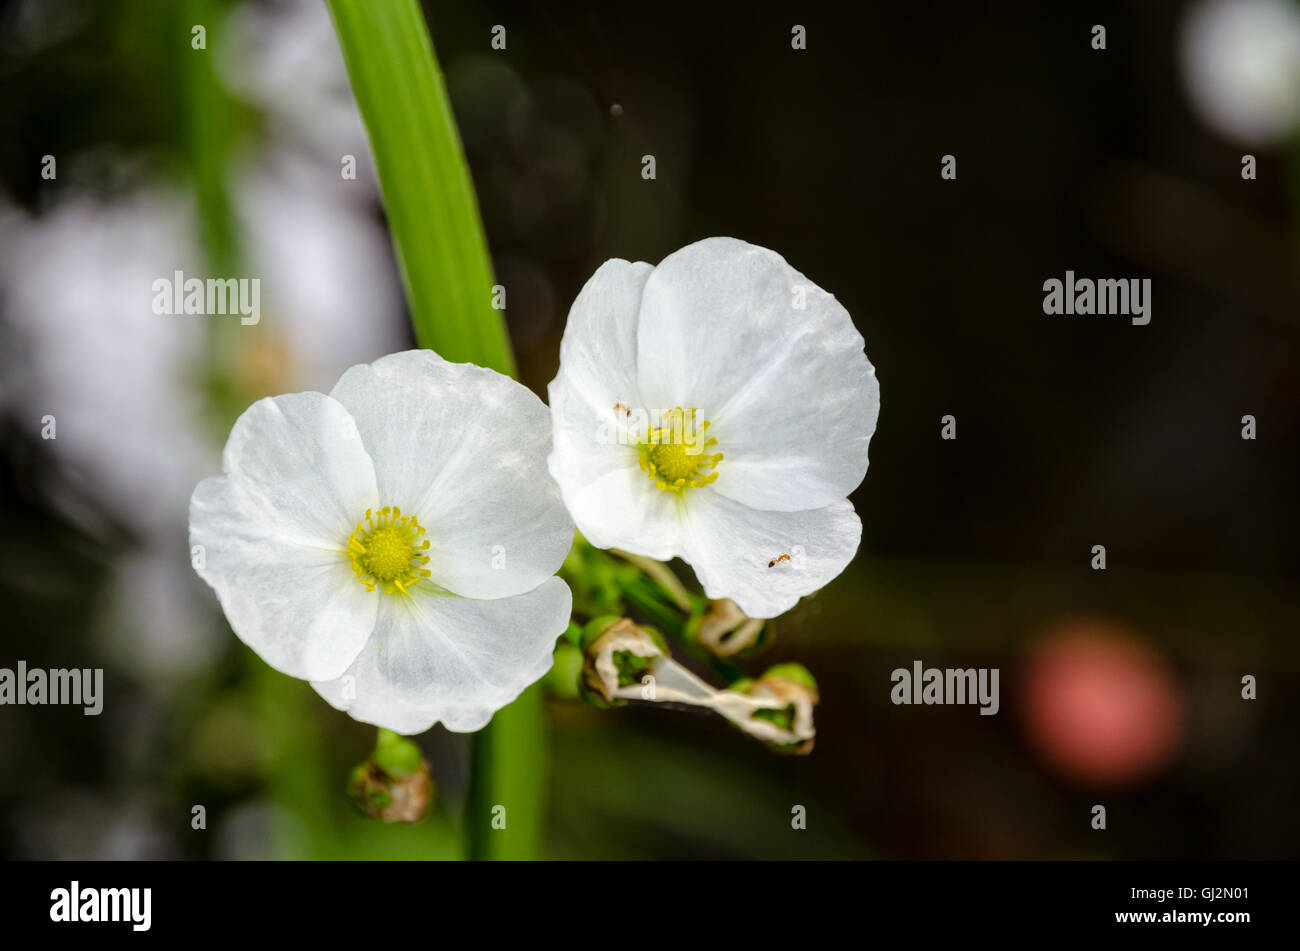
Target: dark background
column 1072, row 432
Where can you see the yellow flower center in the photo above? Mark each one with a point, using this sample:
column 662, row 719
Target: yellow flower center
column 387, row 551
column 674, row 455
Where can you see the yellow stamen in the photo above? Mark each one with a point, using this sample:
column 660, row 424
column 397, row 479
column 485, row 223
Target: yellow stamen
column 387, row 551
column 674, row 456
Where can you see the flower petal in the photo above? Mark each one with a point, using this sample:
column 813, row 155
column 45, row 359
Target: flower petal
column 622, row 508
column 737, row 551
column 771, row 360
column 598, row 352
column 592, row 397
column 273, row 533
column 437, row 657
column 464, row 450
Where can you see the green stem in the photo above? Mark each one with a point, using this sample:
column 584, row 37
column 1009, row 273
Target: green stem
column 661, row 573
column 208, row 121
column 425, row 180
column 644, row 598
column 507, row 795
column 434, row 218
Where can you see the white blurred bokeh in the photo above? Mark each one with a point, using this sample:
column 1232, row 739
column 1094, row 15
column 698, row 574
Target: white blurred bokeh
column 1241, row 67
column 127, row 386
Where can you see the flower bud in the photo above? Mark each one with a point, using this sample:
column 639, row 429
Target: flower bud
column 393, row 784
column 565, row 675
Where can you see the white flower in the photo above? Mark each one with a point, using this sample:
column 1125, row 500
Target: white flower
column 717, row 408
column 393, row 542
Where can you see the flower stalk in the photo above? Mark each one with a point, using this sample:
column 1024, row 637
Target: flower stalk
column 439, row 236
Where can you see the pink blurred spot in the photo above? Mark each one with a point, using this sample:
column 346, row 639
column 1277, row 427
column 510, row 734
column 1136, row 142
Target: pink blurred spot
column 1102, row 707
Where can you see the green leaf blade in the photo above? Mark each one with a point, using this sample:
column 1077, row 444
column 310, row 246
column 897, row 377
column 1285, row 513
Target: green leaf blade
column 424, row 179
column 441, row 248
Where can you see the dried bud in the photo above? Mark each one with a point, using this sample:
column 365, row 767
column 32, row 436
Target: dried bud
column 393, row 784
column 618, row 656
column 626, row 662
column 788, row 693
column 726, row 630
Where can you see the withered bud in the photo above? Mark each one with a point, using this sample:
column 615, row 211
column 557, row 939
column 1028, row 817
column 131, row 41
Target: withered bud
column 785, row 722
column 618, row 654
column 393, row 784
column 725, row 630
